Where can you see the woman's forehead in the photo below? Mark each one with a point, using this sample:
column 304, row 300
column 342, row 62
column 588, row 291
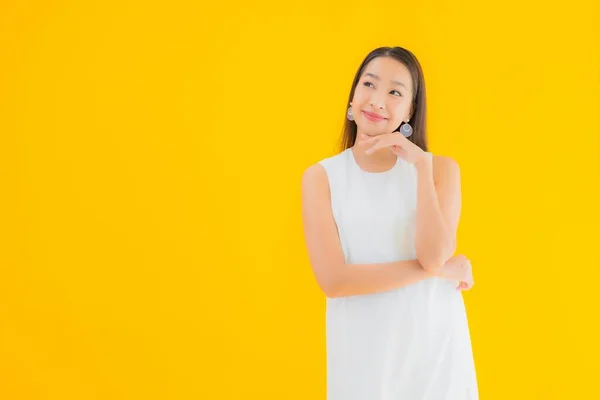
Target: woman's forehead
column 388, row 70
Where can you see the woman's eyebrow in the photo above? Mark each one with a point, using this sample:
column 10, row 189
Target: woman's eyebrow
column 372, row 75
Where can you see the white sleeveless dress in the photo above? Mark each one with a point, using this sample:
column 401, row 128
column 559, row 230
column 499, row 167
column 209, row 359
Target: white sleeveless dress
column 410, row 343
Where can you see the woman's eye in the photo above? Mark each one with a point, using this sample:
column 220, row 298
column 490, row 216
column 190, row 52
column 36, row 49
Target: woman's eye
column 367, row 84
column 397, row 92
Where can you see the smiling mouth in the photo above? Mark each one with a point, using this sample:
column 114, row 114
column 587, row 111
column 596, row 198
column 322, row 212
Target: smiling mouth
column 373, row 117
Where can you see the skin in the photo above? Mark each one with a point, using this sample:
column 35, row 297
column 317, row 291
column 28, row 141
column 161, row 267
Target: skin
column 385, row 88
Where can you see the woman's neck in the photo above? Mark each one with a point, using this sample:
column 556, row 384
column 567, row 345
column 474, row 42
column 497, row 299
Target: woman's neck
column 380, row 160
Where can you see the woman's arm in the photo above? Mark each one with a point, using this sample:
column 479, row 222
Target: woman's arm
column 334, row 276
column 438, row 210
column 356, row 279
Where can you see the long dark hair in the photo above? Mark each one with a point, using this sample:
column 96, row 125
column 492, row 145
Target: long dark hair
column 418, row 120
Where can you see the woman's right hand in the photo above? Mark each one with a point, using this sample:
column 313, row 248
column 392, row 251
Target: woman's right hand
column 458, row 268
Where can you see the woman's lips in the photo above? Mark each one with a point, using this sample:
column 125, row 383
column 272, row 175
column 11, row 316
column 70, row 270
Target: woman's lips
column 373, row 117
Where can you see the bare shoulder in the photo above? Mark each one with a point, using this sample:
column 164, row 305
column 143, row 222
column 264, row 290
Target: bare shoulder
column 313, row 177
column 444, row 162
column 445, row 168
column 315, row 186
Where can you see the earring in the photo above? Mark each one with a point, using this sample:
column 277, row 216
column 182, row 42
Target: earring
column 349, row 114
column 406, row 129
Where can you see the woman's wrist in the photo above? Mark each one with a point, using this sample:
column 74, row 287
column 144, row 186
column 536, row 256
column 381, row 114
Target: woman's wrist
column 426, row 161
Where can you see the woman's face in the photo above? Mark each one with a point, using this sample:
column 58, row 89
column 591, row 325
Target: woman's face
column 382, row 97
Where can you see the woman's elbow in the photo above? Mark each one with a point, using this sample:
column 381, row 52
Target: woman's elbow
column 430, row 264
column 434, row 260
column 329, row 286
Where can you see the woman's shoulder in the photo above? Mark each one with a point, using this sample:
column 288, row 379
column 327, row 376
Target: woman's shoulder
column 444, row 166
column 333, row 161
column 443, row 160
column 326, row 167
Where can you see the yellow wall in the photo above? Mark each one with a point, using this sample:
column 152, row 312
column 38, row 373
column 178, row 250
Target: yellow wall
column 151, row 155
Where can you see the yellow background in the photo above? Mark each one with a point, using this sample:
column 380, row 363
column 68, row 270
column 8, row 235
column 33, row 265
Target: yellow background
column 151, row 155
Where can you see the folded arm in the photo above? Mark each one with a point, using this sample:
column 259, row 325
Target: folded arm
column 335, row 277
column 438, row 210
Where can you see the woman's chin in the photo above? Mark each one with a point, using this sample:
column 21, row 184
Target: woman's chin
column 373, row 128
column 371, row 132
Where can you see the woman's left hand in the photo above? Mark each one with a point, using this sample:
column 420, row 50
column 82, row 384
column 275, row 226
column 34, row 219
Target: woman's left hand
column 396, row 142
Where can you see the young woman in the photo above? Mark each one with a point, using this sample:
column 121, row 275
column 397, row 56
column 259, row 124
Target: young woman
column 380, row 220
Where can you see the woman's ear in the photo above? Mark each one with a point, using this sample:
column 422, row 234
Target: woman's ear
column 411, row 112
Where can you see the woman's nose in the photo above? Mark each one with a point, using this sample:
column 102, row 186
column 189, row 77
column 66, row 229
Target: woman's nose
column 376, row 102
